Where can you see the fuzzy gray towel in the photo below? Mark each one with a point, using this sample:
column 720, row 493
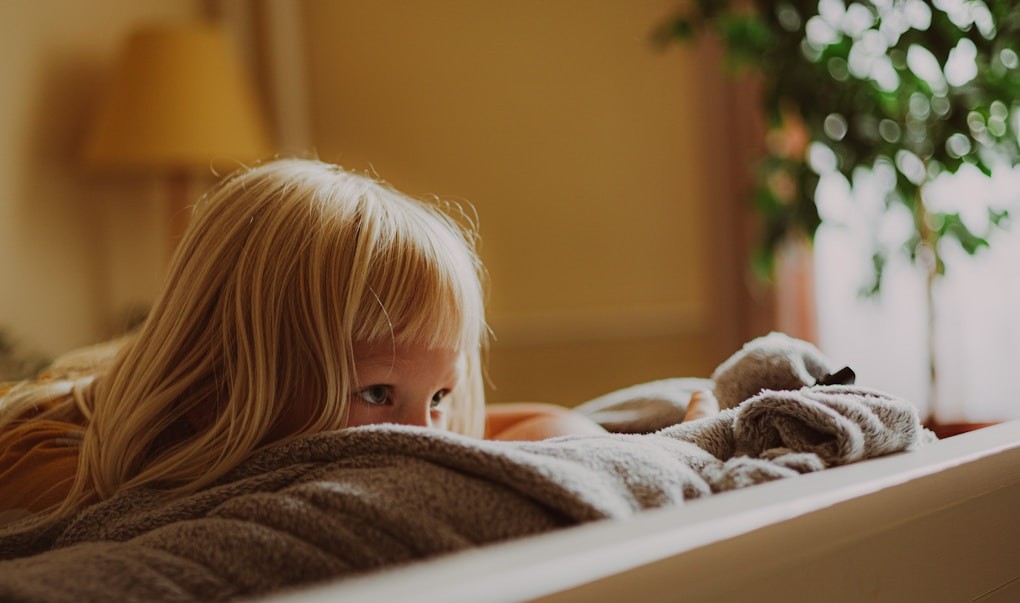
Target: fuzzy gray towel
column 774, row 362
column 342, row 503
column 645, row 407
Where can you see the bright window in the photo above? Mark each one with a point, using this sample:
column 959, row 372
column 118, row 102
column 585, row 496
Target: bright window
column 977, row 301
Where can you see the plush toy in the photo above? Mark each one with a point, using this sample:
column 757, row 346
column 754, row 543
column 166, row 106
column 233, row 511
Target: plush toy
column 776, row 362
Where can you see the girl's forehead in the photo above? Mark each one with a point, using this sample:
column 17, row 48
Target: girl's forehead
column 389, row 351
column 385, row 360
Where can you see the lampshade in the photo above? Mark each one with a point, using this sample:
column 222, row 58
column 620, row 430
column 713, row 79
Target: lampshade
column 178, row 99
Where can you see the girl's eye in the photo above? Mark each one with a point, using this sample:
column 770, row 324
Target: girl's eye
column 377, row 394
column 438, row 398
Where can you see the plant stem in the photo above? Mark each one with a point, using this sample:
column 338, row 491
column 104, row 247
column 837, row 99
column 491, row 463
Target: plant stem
column 929, row 255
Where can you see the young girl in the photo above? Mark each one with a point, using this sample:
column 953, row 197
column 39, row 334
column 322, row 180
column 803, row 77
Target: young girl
column 302, row 298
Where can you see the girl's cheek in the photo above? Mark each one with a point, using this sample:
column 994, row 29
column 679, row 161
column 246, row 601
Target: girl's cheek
column 363, row 413
column 440, row 419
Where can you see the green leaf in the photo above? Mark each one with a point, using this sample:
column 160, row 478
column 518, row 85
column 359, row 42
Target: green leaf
column 874, row 285
column 678, row 29
column 952, row 226
column 998, row 217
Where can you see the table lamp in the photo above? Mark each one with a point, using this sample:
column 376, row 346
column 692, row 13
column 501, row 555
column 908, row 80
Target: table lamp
column 179, row 100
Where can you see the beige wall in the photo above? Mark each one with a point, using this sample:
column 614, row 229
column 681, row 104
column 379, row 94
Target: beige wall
column 583, row 149
column 579, row 145
column 77, row 250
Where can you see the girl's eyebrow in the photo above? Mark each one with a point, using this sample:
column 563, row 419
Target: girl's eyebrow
column 379, row 361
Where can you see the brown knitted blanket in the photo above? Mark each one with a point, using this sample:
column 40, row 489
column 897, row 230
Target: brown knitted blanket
column 342, row 503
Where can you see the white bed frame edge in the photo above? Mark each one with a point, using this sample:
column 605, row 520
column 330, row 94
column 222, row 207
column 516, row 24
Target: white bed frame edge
column 941, row 523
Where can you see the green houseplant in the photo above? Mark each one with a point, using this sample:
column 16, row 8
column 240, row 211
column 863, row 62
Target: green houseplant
column 911, row 89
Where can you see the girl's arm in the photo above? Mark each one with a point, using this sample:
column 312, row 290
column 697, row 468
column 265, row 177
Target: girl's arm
column 535, row 421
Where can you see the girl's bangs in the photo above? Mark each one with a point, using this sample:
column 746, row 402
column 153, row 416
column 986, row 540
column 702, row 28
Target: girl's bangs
column 422, row 286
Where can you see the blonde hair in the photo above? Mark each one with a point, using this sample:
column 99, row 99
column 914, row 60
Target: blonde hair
column 284, row 266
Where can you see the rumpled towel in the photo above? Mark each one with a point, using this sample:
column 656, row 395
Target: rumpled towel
column 774, row 362
column 343, row 503
column 645, row 407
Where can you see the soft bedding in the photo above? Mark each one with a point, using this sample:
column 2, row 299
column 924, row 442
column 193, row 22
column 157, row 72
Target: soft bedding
column 342, row 503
